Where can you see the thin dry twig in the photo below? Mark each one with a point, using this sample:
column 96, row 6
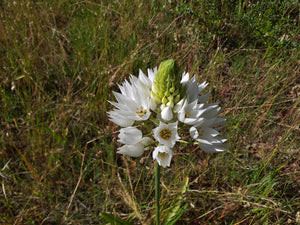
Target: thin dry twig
column 75, row 190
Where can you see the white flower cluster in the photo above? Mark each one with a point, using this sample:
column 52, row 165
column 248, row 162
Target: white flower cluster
column 136, row 110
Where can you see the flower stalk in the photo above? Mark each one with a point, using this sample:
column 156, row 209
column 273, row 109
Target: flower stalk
column 157, row 193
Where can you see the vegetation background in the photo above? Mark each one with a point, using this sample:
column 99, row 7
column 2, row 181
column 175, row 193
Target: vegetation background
column 60, row 61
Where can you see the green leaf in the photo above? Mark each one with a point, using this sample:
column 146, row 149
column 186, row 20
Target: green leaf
column 177, row 215
column 114, row 220
column 176, row 211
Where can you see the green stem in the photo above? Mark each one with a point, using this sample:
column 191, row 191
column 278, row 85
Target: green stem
column 157, row 178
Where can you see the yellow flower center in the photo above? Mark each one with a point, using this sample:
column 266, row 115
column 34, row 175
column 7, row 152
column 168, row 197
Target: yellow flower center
column 162, row 154
column 141, row 111
column 188, row 114
column 165, row 134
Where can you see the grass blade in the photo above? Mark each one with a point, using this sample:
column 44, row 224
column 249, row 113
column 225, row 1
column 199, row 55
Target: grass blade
column 114, row 220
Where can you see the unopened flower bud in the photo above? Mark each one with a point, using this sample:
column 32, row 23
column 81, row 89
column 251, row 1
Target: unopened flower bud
column 166, row 88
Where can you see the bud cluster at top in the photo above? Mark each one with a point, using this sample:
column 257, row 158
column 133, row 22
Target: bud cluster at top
column 167, row 88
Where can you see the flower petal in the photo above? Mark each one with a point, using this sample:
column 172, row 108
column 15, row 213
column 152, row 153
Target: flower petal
column 194, row 132
column 167, row 114
column 130, row 135
column 163, row 155
column 135, row 150
column 118, row 118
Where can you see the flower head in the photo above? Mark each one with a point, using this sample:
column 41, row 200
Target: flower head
column 164, row 98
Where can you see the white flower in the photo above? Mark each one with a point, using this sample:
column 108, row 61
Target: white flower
column 203, row 117
column 190, row 113
column 117, row 117
column 146, row 141
column 193, row 89
column 166, row 134
column 133, row 103
column 211, row 118
column 163, row 155
column 148, row 81
column 135, row 150
column 206, row 130
column 208, row 139
column 130, row 135
column 134, row 142
column 167, row 114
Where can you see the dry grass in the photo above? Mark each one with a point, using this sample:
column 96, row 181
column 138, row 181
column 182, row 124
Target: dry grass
column 59, row 62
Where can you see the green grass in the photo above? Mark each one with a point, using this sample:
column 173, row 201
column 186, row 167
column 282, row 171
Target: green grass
column 60, row 61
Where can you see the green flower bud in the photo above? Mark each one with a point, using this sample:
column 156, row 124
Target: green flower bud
column 166, row 88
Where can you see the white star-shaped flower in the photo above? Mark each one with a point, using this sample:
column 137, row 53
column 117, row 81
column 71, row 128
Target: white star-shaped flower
column 208, row 139
column 206, row 131
column 133, row 103
column 163, row 155
column 193, row 90
column 166, row 134
column 190, row 113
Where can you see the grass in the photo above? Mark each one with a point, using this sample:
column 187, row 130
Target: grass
column 60, row 61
